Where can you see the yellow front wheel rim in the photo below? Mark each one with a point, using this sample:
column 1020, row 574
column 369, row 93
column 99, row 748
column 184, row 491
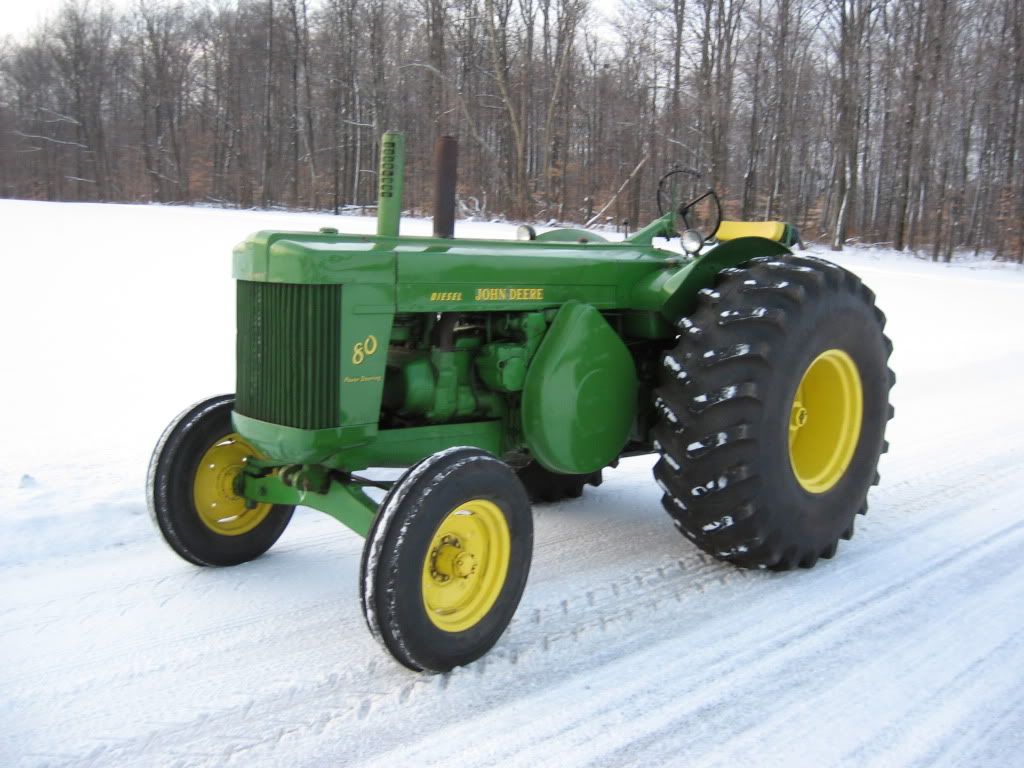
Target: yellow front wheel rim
column 825, row 420
column 465, row 567
column 213, row 489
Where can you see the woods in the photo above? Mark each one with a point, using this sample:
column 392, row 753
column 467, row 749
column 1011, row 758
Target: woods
column 877, row 121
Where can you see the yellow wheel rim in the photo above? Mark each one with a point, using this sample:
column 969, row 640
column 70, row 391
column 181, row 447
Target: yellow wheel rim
column 825, row 420
column 213, row 488
column 466, row 565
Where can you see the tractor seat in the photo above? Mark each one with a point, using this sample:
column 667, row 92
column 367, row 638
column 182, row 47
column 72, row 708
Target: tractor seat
column 730, row 230
column 779, row 231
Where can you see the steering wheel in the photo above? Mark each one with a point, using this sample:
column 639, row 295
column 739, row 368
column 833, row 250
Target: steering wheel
column 689, row 210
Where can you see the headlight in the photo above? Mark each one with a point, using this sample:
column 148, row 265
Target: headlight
column 691, row 240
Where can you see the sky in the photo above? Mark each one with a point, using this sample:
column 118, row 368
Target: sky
column 19, row 17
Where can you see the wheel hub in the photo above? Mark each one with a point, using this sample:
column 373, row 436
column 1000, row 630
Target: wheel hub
column 798, row 416
column 450, row 561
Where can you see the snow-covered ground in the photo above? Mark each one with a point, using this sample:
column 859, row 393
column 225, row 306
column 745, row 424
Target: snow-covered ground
column 630, row 647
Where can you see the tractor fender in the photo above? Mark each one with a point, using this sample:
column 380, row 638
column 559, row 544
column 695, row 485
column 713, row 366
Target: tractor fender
column 580, row 394
column 674, row 293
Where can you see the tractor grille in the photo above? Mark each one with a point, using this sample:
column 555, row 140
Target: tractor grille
column 289, row 354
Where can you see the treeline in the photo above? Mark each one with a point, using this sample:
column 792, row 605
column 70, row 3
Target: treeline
column 883, row 121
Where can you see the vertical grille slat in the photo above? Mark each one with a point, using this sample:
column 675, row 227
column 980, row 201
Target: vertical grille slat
column 289, row 353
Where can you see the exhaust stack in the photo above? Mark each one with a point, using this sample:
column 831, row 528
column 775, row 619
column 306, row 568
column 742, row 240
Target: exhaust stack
column 446, row 163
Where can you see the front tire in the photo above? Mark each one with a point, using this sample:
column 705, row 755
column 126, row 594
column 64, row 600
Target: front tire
column 446, row 561
column 772, row 412
column 190, row 490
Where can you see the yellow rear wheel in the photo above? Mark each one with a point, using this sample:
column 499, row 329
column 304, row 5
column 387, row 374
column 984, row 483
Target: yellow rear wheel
column 773, row 407
column 825, row 420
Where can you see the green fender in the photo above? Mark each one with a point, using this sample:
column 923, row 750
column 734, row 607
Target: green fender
column 580, row 394
column 674, row 294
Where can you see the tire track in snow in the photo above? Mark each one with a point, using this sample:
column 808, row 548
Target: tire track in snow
column 321, row 549
column 902, row 679
column 639, row 599
column 614, row 607
column 587, row 732
column 939, row 726
column 995, row 732
column 174, row 582
column 697, row 572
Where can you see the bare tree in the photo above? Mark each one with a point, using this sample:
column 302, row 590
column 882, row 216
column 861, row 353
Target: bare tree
column 882, row 120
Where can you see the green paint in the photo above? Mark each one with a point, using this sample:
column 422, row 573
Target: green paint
column 502, row 366
column 340, row 365
column 579, row 401
column 651, row 288
column 419, row 385
column 289, row 353
column 661, row 227
column 673, row 293
column 391, row 180
column 347, row 503
column 404, row 447
column 285, row 444
column 791, row 236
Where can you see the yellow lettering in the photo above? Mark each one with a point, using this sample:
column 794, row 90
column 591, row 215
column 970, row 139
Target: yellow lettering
column 364, row 349
column 491, row 294
column 509, row 294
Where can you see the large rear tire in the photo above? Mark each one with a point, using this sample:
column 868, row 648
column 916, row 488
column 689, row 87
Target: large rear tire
column 773, row 407
column 190, row 490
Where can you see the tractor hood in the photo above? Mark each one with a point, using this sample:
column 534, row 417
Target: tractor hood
column 439, row 275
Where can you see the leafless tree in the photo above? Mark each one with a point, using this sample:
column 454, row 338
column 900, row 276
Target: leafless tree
column 892, row 121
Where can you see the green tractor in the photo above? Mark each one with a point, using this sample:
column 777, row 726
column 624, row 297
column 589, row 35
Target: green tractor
column 504, row 372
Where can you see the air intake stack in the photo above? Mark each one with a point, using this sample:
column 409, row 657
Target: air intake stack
column 391, row 178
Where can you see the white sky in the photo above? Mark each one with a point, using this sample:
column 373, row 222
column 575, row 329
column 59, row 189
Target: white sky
column 19, row 17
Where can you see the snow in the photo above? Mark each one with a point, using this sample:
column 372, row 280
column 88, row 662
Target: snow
column 630, row 646
column 723, row 522
column 666, row 410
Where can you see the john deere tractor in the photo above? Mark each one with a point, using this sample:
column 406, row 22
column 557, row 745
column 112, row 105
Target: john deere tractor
column 504, row 371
